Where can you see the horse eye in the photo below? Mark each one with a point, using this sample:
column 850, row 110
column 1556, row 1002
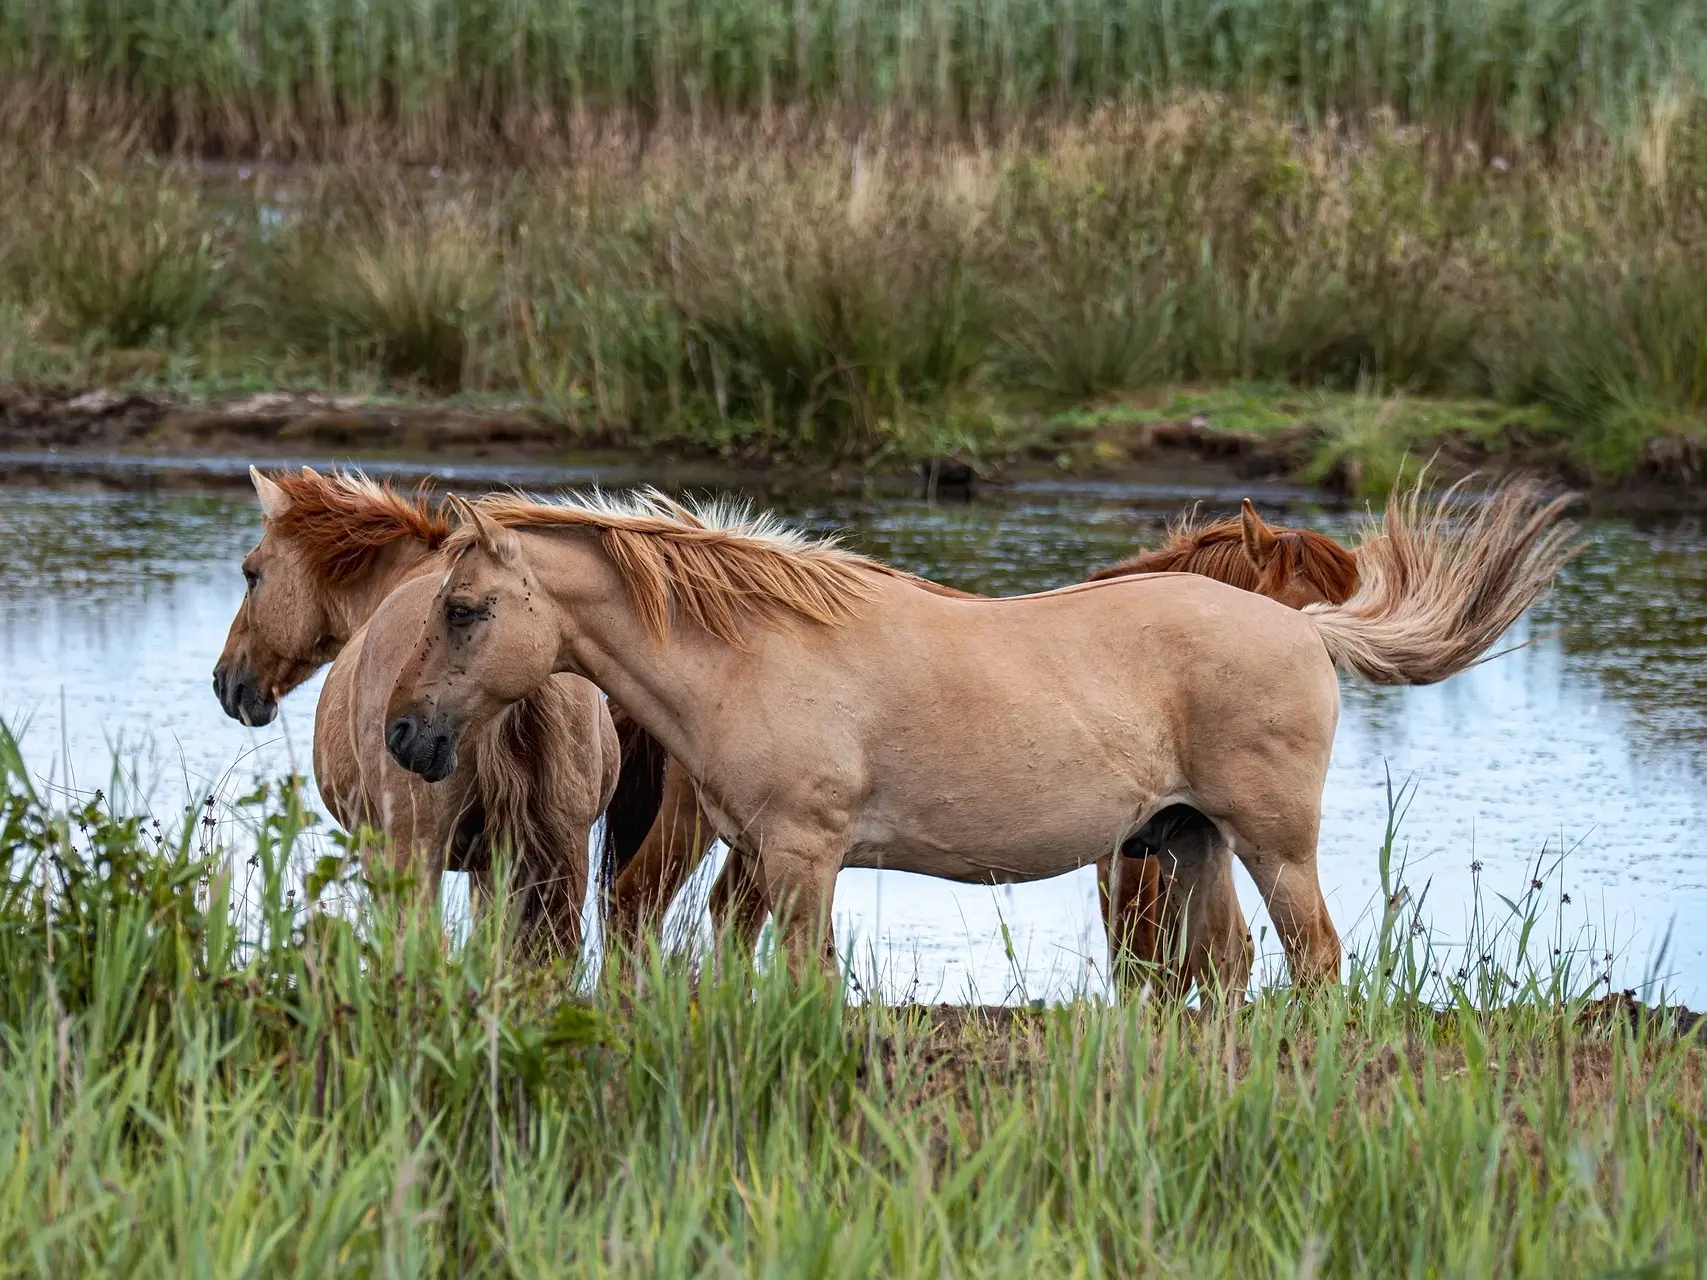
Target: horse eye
column 251, row 579
column 459, row 614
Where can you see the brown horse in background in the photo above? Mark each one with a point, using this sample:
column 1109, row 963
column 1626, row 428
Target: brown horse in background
column 343, row 573
column 1163, row 924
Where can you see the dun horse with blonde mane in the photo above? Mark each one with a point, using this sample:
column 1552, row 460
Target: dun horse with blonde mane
column 345, row 572
column 788, row 676
column 1172, row 913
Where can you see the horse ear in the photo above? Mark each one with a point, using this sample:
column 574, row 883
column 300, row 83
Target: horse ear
column 495, row 540
column 1260, row 541
column 274, row 500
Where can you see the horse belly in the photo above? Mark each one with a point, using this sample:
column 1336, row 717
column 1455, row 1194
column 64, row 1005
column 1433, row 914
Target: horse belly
column 1010, row 840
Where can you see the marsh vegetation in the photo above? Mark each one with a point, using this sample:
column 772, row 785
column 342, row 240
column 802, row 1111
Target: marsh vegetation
column 816, row 290
column 832, row 233
column 224, row 1057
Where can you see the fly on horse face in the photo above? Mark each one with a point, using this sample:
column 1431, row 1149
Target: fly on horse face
column 788, row 677
column 344, row 573
column 1169, row 928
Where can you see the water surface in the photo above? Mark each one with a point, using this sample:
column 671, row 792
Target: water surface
column 1587, row 743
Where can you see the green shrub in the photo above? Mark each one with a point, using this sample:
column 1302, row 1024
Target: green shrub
column 127, row 258
column 413, row 291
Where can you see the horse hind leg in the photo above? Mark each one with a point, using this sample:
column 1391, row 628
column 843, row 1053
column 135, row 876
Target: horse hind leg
column 1279, row 851
column 1175, row 921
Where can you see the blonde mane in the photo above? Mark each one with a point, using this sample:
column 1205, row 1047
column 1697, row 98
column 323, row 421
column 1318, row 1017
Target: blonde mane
column 718, row 561
column 342, row 522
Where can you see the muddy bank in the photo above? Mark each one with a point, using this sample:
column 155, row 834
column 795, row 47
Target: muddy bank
column 109, row 438
column 1598, row 1015
column 948, row 1044
column 274, row 422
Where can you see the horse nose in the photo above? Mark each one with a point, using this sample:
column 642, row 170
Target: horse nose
column 399, row 737
column 241, row 697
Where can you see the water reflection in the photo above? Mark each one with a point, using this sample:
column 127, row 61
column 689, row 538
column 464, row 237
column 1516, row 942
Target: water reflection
column 113, row 608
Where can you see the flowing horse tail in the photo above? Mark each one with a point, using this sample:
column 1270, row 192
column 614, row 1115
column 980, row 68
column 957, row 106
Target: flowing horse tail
column 531, row 805
column 635, row 804
column 1436, row 592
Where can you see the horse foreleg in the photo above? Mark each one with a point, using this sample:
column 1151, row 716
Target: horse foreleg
column 1129, row 890
column 799, row 879
column 738, row 903
column 416, row 830
column 1173, row 916
column 1213, row 942
column 552, row 894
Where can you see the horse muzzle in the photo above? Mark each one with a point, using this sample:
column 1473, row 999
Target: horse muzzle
column 240, row 696
column 423, row 744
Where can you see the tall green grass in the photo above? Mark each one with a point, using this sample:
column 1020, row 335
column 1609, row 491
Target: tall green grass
column 798, row 295
column 206, row 1074
column 233, row 75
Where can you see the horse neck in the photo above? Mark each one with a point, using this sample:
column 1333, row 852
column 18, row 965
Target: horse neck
column 664, row 684
column 350, row 605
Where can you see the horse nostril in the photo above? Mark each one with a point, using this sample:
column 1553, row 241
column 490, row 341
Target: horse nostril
column 398, row 735
column 219, row 683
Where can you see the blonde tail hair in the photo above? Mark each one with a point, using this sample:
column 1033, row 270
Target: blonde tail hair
column 1435, row 592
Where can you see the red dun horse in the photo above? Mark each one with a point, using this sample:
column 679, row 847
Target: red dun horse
column 344, row 573
column 788, row 677
column 655, row 833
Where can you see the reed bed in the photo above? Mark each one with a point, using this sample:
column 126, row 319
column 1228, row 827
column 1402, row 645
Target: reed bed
column 795, row 293
column 207, row 1072
column 297, row 76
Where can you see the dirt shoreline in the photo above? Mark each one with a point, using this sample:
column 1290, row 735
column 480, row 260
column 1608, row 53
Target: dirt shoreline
column 126, row 439
column 1600, row 1014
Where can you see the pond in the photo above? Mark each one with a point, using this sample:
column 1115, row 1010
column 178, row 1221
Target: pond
column 1577, row 758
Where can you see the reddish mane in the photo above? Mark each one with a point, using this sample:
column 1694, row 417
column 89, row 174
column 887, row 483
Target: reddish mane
column 1218, row 551
column 342, row 522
